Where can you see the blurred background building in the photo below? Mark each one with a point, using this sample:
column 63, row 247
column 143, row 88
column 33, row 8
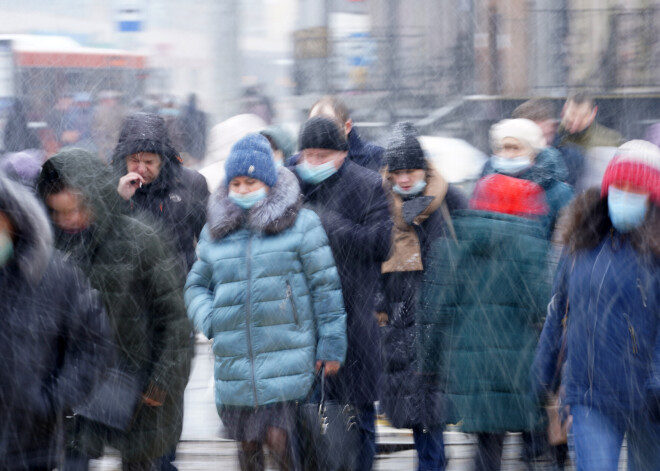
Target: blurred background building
column 451, row 66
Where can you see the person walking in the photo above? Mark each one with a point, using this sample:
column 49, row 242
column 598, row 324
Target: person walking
column 421, row 203
column 55, row 332
column 141, row 284
column 481, row 305
column 152, row 179
column 602, row 318
column 266, row 290
column 352, row 205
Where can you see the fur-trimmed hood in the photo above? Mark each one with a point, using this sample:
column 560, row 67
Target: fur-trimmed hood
column 277, row 212
column 33, row 235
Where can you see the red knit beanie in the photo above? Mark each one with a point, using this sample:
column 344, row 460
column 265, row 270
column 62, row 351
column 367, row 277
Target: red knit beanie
column 638, row 163
column 504, row 194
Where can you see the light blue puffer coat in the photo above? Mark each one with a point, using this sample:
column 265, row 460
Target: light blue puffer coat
column 266, row 290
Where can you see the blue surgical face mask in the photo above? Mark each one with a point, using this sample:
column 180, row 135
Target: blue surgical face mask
column 414, row 190
column 511, row 166
column 315, row 173
column 627, row 210
column 247, row 200
column 6, row 248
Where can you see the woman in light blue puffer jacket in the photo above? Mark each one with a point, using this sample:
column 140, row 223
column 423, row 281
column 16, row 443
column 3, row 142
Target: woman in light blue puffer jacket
column 266, row 290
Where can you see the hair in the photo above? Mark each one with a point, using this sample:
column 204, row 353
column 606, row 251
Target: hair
column 581, row 98
column 588, row 223
column 339, row 108
column 536, row 109
column 51, row 181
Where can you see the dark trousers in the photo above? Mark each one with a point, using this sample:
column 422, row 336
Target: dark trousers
column 430, row 447
column 366, row 420
column 489, row 451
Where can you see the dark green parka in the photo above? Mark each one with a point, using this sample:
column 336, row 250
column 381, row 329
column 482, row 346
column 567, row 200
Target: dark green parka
column 482, row 304
column 141, row 284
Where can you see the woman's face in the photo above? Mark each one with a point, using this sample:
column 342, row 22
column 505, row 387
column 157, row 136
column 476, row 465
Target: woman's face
column 512, row 148
column 407, row 178
column 243, row 185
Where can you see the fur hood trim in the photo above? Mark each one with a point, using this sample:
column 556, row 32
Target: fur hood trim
column 276, row 213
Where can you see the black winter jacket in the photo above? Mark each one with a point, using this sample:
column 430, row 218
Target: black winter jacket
column 354, row 212
column 54, row 343
column 177, row 197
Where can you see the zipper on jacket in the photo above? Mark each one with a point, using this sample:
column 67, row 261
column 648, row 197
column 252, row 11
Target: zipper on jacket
column 633, row 336
column 289, row 296
column 248, row 320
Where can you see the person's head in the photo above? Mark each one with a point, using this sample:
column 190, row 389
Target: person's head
column 333, row 108
column 281, row 142
column 250, row 171
column 25, row 232
column 146, row 164
column 515, row 144
column 323, row 149
column 144, row 147
column 631, row 184
column 579, row 112
column 406, row 162
column 542, row 111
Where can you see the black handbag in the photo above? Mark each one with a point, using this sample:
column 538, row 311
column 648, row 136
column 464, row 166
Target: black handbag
column 114, row 400
column 328, row 432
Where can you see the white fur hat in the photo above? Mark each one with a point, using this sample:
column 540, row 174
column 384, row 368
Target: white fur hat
column 524, row 130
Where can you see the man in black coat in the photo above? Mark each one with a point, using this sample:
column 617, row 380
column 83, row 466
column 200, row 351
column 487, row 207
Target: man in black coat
column 152, row 179
column 55, row 335
column 352, row 205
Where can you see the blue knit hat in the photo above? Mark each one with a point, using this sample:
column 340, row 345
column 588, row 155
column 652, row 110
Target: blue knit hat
column 251, row 157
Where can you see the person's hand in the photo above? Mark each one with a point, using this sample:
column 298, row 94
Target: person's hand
column 331, row 367
column 128, row 184
column 154, row 396
column 382, row 318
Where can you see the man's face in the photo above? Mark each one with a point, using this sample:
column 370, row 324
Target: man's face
column 68, row 211
column 321, row 156
column 549, row 128
column 146, row 164
column 578, row 117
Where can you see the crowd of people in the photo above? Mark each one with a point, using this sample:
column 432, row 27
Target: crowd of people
column 530, row 305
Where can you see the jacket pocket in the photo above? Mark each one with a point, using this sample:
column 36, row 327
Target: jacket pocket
column 292, row 301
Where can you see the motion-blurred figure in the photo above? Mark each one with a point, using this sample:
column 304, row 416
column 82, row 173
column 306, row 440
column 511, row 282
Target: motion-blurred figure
column 421, row 205
column 482, row 301
column 255, row 101
column 603, row 319
column 106, row 123
column 362, row 153
column 282, row 142
column 192, row 126
column 152, row 179
column 18, row 136
column 266, row 290
column 140, row 281
column 578, row 124
column 543, row 113
column 520, row 151
column 54, row 335
column 352, row 205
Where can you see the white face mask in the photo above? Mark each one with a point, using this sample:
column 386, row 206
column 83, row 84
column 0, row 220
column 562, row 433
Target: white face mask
column 414, row 190
column 627, row 210
column 512, row 166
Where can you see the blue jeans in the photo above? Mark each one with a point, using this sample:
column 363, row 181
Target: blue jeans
column 366, row 419
column 430, row 448
column 597, row 437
